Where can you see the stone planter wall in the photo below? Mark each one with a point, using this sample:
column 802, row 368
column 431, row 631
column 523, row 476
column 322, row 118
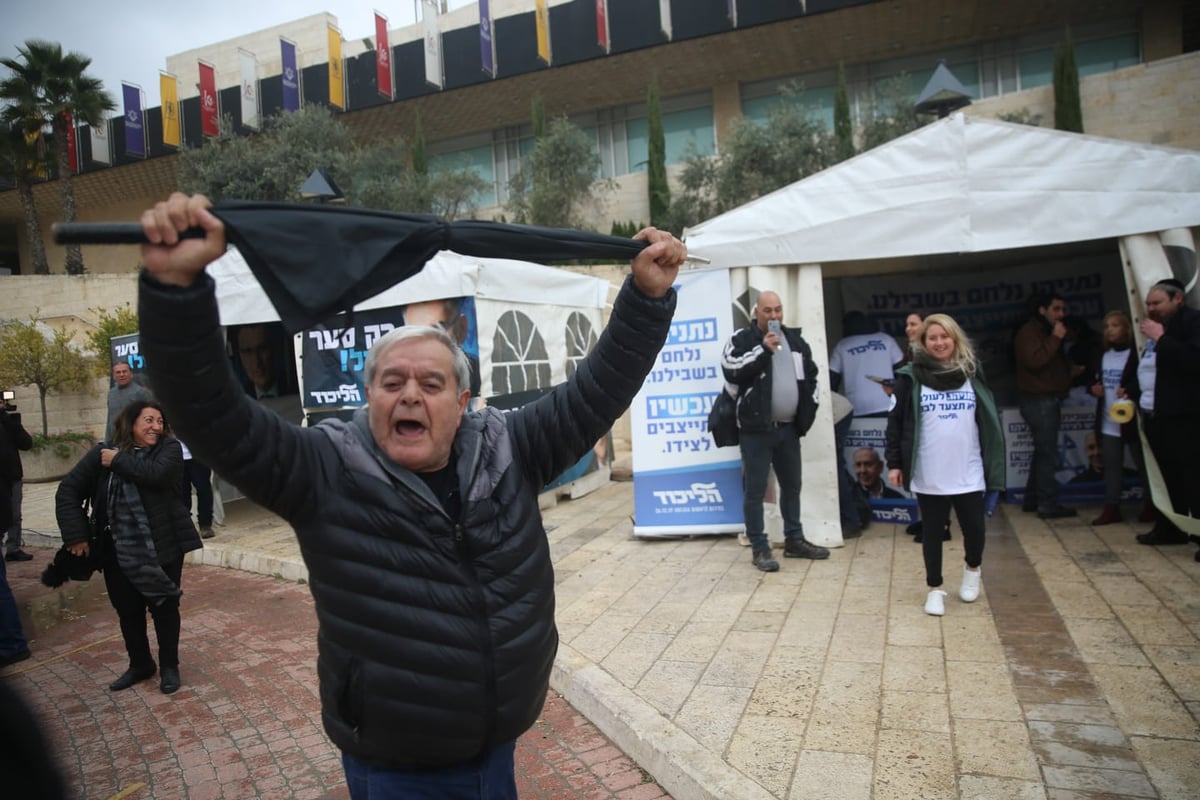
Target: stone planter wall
column 47, row 465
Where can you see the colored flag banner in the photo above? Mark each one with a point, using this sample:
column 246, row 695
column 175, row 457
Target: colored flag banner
column 337, row 80
column 542, row 17
column 664, row 17
column 100, row 148
column 602, row 25
column 135, row 129
column 291, row 75
column 733, row 12
column 383, row 57
column 210, row 113
column 72, row 154
column 682, row 482
column 433, row 45
column 248, row 67
column 487, row 41
column 168, row 90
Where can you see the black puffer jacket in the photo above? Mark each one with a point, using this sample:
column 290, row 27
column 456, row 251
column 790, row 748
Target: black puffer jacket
column 747, row 364
column 436, row 635
column 157, row 476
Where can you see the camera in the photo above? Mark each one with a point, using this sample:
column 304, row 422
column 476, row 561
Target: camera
column 9, row 405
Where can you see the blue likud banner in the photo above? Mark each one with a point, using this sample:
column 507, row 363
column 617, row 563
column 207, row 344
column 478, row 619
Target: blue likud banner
column 135, row 130
column 487, row 42
column 682, row 482
column 291, row 76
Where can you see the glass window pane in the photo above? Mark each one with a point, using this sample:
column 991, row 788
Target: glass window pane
column 477, row 160
column 1036, row 68
column 689, row 133
column 637, row 134
column 1105, row 55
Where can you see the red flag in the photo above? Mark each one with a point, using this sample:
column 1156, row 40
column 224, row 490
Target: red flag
column 383, row 57
column 72, row 160
column 209, row 113
column 602, row 24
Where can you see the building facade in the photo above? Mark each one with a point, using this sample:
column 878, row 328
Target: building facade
column 1140, row 75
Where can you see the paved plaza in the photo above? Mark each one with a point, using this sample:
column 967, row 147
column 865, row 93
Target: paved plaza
column 1075, row 675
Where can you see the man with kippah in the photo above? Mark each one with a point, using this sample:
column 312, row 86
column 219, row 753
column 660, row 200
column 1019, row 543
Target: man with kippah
column 1166, row 387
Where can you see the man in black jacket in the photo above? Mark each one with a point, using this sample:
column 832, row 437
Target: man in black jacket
column 13, row 438
column 1167, row 387
column 419, row 524
column 776, row 377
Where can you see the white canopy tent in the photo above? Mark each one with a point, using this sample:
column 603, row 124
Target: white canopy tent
column 959, row 185
column 242, row 301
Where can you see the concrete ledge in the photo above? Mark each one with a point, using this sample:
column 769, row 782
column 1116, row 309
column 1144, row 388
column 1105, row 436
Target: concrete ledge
column 230, row 556
column 680, row 764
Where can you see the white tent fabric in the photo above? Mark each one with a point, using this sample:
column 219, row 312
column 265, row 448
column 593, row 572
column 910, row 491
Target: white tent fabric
column 242, row 301
column 961, row 185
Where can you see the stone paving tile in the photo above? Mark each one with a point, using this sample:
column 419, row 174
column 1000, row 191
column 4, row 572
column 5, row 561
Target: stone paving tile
column 823, row 775
column 914, row 764
column 999, row 749
column 765, row 748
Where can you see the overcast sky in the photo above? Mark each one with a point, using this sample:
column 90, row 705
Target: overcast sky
column 129, row 40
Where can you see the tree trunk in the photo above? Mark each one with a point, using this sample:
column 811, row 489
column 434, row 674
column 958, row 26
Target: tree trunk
column 45, row 424
column 33, row 228
column 74, row 261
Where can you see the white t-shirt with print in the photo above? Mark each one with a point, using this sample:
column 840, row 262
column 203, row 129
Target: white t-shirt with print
column 949, row 459
column 1111, row 367
column 856, row 357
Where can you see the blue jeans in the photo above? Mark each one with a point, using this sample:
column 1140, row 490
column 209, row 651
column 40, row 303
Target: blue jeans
column 778, row 447
column 489, row 777
column 12, row 638
column 1042, row 416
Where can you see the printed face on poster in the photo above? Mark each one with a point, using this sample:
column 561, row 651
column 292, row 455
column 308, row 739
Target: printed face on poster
column 862, row 453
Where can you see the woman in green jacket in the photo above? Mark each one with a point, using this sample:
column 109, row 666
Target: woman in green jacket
column 946, row 445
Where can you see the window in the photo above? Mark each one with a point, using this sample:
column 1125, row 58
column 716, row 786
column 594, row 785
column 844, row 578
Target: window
column 687, row 133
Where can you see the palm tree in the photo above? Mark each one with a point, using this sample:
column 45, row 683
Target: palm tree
column 49, row 88
column 21, row 159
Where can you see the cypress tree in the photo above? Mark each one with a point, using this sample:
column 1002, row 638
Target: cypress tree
column 1068, row 109
column 539, row 117
column 660, row 190
column 843, row 131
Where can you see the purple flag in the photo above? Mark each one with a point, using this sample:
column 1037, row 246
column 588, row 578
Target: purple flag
column 135, row 132
column 487, row 43
column 291, row 76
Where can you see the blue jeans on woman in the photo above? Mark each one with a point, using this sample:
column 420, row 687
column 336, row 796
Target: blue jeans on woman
column 489, row 777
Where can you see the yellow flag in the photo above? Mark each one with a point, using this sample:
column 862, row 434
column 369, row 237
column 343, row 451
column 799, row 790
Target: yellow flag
column 168, row 90
column 542, row 15
column 337, row 91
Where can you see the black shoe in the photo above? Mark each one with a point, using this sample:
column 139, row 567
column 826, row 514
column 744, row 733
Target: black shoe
column 1161, row 536
column 804, row 549
column 764, row 561
column 15, row 658
column 18, row 555
column 170, row 680
column 1057, row 512
column 915, row 528
column 1029, row 507
column 129, row 677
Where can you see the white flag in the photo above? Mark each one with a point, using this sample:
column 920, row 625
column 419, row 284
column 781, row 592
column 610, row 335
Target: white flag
column 249, row 92
column 664, row 14
column 433, row 45
column 100, row 151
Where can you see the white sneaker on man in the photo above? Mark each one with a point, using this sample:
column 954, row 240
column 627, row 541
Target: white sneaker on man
column 969, row 591
column 935, row 603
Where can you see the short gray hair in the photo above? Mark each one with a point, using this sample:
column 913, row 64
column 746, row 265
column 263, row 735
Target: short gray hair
column 462, row 367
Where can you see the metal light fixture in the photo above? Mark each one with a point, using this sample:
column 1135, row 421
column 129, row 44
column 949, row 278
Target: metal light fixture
column 320, row 187
column 942, row 94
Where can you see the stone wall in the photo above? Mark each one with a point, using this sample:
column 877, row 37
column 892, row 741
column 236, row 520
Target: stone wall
column 69, row 302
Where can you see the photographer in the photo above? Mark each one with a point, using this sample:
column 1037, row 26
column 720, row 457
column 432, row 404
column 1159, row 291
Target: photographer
column 13, row 437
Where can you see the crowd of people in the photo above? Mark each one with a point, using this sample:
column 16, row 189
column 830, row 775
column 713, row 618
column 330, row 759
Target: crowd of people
column 420, row 515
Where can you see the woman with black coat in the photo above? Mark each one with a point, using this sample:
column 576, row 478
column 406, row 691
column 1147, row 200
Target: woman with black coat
column 142, row 530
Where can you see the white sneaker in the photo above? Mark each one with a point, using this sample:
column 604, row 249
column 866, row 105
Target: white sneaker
column 969, row 591
column 935, row 603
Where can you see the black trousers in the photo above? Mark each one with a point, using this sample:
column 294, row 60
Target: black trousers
column 131, row 609
column 1173, row 441
column 935, row 513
